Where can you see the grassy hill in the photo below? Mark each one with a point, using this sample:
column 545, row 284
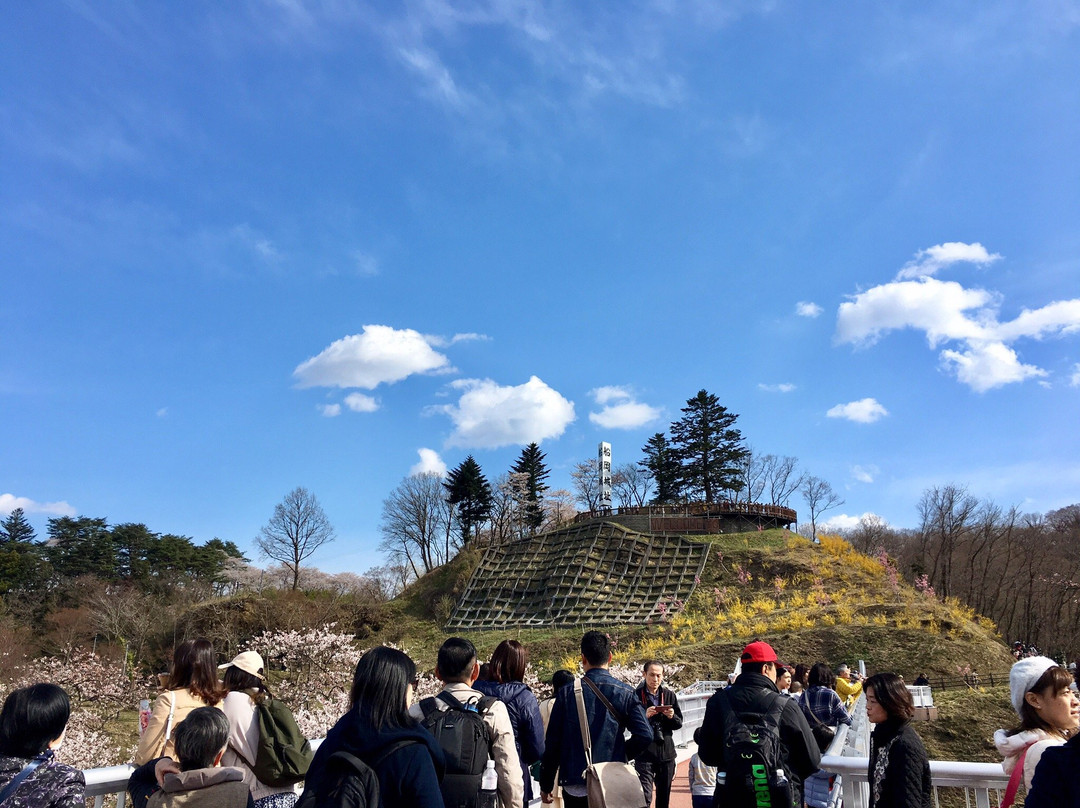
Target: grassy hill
column 812, row 602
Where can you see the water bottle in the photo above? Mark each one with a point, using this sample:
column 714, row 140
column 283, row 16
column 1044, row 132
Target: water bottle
column 489, row 787
column 782, row 789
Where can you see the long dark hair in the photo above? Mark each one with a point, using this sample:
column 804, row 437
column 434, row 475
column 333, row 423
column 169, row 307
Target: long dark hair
column 237, row 679
column 32, row 718
column 378, row 688
column 508, row 662
column 892, row 694
column 194, row 669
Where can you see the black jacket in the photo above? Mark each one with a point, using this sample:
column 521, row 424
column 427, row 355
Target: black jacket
column 753, row 693
column 1055, row 784
column 408, row 776
column 906, row 782
column 662, row 746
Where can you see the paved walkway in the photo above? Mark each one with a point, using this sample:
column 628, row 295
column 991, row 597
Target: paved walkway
column 680, row 787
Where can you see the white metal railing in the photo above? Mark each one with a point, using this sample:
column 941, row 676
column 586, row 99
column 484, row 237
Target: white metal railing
column 847, row 755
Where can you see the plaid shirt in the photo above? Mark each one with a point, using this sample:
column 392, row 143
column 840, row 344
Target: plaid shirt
column 826, row 705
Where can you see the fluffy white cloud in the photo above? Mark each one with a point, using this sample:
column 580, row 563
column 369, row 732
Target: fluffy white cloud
column 863, row 411
column 845, row 522
column 358, row 402
column 489, row 415
column 986, row 365
column 933, row 259
column 9, row 502
column 1074, row 380
column 865, row 474
column 947, row 312
column 430, row 462
column 805, row 308
column 783, row 387
column 330, row 410
column 620, row 410
column 378, row 355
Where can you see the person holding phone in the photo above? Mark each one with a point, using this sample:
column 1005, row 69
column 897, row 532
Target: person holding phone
column 656, row 765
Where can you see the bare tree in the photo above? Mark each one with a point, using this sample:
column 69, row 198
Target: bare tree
column 586, row 483
column 416, row 521
column 751, row 477
column 297, row 529
column 559, row 509
column 631, row 485
column 947, row 515
column 781, row 478
column 820, row 497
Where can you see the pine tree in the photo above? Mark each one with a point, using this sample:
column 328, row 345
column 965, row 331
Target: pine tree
column 469, row 493
column 663, row 466
column 708, row 447
column 15, row 530
column 531, row 464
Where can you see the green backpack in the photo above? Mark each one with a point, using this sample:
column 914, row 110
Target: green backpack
column 284, row 754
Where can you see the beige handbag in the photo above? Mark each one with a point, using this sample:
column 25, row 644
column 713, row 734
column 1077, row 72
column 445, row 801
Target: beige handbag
column 608, row 785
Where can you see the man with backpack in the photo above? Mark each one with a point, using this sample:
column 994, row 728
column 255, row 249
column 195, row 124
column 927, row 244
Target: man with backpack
column 758, row 739
column 470, row 727
column 610, row 708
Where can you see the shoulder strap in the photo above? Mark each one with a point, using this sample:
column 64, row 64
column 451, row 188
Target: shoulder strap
column 428, row 706
column 1014, row 781
column 16, row 781
column 389, row 749
column 599, row 694
column 169, row 723
column 586, row 739
column 485, row 704
column 451, row 700
column 776, row 709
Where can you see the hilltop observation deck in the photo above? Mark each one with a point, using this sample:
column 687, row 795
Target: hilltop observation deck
column 695, row 518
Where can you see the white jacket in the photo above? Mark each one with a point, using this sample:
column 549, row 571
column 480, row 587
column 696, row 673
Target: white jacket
column 1036, row 741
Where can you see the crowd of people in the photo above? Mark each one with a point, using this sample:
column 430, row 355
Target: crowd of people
column 484, row 737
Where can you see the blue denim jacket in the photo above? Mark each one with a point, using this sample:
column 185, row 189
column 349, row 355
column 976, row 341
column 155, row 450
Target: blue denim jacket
column 563, row 749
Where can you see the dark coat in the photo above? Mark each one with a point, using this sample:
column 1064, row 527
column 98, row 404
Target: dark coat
column 1055, row 784
column 563, row 750
column 753, row 693
column 662, row 748
column 906, row 783
column 408, row 776
column 50, row 785
column 524, row 712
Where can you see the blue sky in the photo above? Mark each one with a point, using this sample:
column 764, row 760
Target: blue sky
column 249, row 246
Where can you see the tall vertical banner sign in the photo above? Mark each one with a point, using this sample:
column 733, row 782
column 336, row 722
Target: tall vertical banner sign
column 604, row 467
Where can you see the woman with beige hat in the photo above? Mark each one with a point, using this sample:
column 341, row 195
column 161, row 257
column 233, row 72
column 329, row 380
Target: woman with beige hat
column 1049, row 715
column 245, row 682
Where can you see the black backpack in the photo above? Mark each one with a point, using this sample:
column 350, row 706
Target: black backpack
column 349, row 782
column 754, row 758
column 466, row 741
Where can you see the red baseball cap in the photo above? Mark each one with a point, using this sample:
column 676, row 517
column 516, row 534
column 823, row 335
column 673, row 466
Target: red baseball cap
column 759, row 652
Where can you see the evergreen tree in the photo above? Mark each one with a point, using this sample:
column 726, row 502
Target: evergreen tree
column 81, row 546
column 531, row 464
column 663, row 466
column 469, row 494
column 15, row 530
column 708, row 447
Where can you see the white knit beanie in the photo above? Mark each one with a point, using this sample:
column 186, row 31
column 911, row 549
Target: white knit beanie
column 1024, row 675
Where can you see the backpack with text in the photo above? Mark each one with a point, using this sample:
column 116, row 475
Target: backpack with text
column 466, row 741
column 284, row 754
column 754, row 759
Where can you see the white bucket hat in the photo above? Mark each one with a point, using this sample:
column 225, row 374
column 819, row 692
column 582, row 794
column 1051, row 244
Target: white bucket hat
column 1024, row 675
column 248, row 661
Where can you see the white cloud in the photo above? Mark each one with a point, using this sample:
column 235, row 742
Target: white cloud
column 1074, row 379
column 947, row 312
column 430, row 462
column 986, row 365
column 620, row 409
column 9, row 502
column 330, row 410
column 358, row 402
column 929, row 261
column 440, row 83
column 489, row 415
column 805, row 308
column 442, row 342
column 863, row 411
column 865, row 474
column 843, row 521
column 161, row 413
column 378, row 355
column 365, row 264
column 783, row 387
